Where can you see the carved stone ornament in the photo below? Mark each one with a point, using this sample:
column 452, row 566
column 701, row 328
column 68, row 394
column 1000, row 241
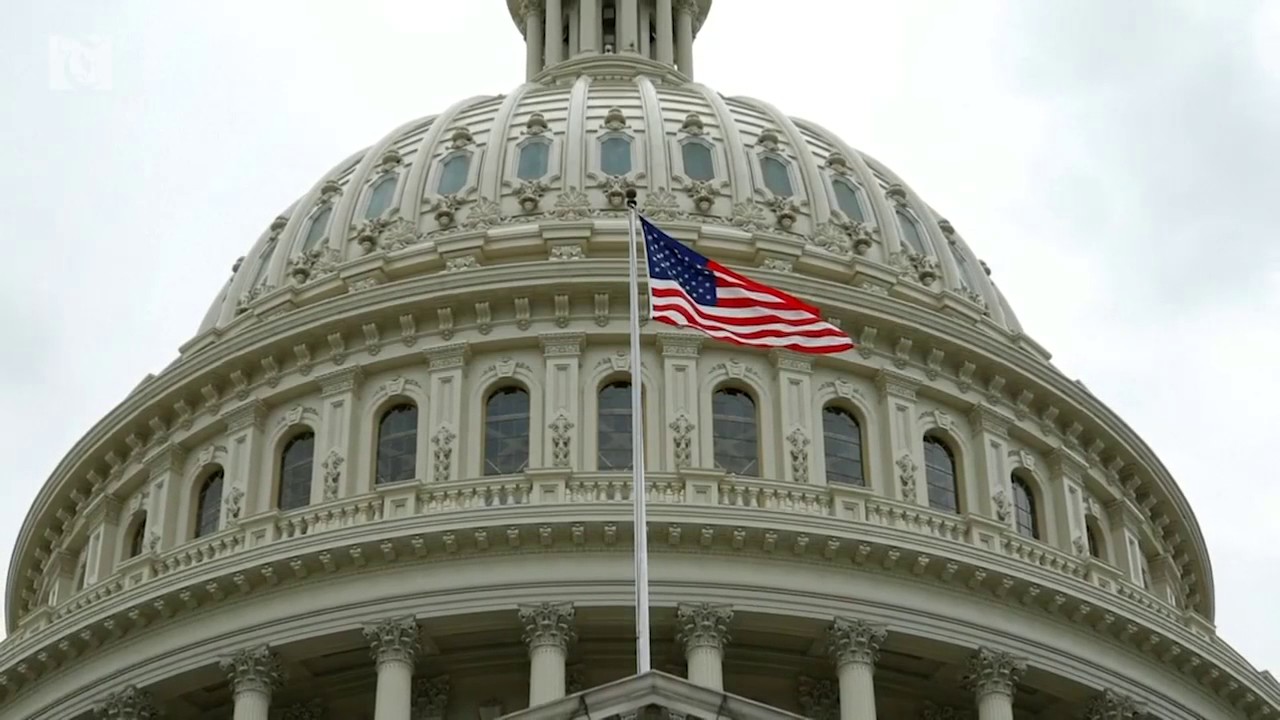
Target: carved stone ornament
column 923, row 268
column 390, row 233
column 255, row 669
column 1000, row 502
column 567, row 252
column 430, row 697
column 993, row 671
column 661, row 204
column 1080, row 546
column 314, row 264
column 820, row 699
column 127, row 704
column 693, row 125
column 548, row 624
column 332, row 467
column 231, row 504
column 682, row 439
column 393, row 640
column 615, row 119
column 750, row 217
column 907, row 476
column 854, row 641
column 785, row 211
column 615, row 189
column 703, row 193
column 485, row 213
column 798, row 444
column 896, row 194
column 1112, row 706
column 442, row 452
column 446, row 209
column 838, row 163
column 703, row 625
column 768, row 139
column 832, row 238
column 461, row 138
column 250, row 296
column 529, row 194
column 560, row 439
column 934, row 712
column 777, row 265
column 572, row 204
column 536, row 124
column 312, row 710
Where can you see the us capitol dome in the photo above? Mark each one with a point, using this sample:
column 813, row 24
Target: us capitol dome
column 389, row 476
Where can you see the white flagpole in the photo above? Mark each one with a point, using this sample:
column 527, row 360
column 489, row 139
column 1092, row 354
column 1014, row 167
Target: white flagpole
column 637, row 453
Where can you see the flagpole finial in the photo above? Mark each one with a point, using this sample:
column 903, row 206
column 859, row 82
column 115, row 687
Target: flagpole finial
column 631, row 198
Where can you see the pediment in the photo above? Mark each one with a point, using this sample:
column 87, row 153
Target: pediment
column 652, row 696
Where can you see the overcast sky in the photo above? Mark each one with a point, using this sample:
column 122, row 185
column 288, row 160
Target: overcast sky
column 1116, row 164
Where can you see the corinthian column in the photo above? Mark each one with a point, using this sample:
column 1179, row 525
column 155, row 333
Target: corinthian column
column 394, row 643
column 533, row 10
column 254, row 673
column 548, row 629
column 993, row 675
column 854, row 646
column 127, row 704
column 704, row 629
column 685, row 10
column 1112, row 706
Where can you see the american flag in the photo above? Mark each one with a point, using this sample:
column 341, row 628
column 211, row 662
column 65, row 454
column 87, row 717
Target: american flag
column 688, row 290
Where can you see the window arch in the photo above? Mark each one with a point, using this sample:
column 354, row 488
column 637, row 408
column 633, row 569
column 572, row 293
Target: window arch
column 940, row 475
column 842, row 444
column 614, row 447
column 535, row 158
column 1026, row 519
column 777, row 176
column 734, row 436
column 209, row 504
column 910, row 232
column 506, row 431
column 397, row 444
column 1093, row 538
column 318, row 229
column 453, row 174
column 138, row 536
column 848, row 199
column 380, row 196
column 615, row 155
column 296, row 462
column 697, row 160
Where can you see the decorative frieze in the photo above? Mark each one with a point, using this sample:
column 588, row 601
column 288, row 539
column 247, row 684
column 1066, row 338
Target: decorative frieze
column 393, row 640
column 332, row 467
column 561, row 438
column 798, row 447
column 703, row 625
column 442, row 453
column 682, row 439
column 854, row 641
column 255, row 669
column 994, row 671
column 907, row 476
column 548, row 624
column 127, row 704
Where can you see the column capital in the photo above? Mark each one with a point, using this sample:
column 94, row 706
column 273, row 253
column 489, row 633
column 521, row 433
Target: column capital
column 895, row 384
column 447, row 357
column 127, row 704
column 167, row 458
column 703, row 625
column 531, row 7
column 253, row 669
column 340, row 380
column 686, row 6
column 854, row 641
column 994, row 671
column 1112, row 706
column 312, row 710
column 562, row 344
column 984, row 418
column 431, row 697
column 675, row 344
column 548, row 624
column 245, row 415
column 393, row 640
column 791, row 360
column 820, row 699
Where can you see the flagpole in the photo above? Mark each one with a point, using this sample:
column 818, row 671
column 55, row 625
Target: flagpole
column 637, row 452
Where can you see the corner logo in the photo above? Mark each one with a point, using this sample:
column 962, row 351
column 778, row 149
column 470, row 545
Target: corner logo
column 79, row 63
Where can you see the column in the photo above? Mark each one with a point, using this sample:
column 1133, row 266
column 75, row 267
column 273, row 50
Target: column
column 548, row 630
column 898, row 403
column 562, row 353
column 703, row 629
column 680, row 399
column 533, row 11
column 795, row 410
column 553, row 46
column 166, row 501
column 335, row 446
column 665, row 32
column 991, row 493
column 685, row 10
column 445, row 366
column 993, row 675
column 645, row 21
column 854, row 646
column 254, row 674
column 127, row 704
column 395, row 644
column 589, row 26
column 1112, row 706
column 628, row 21
column 244, row 452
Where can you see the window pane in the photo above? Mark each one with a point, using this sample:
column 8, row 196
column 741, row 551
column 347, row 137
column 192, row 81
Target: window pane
column 398, row 444
column 940, row 475
column 615, row 156
column 209, row 506
column 295, row 472
column 533, row 161
column 776, row 176
column 1024, row 509
column 733, row 432
column 697, row 161
column 847, row 199
column 453, row 175
column 614, row 434
column 910, row 233
column 318, row 229
column 843, row 440
column 380, row 197
column 506, row 432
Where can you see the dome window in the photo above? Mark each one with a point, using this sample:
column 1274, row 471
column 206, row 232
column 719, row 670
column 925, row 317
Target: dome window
column 1093, row 536
column 969, row 278
column 397, row 444
column 264, row 263
column 506, row 431
column 777, row 177
column 138, row 538
column 615, row 155
column 318, row 229
column 209, row 504
column 733, row 432
column 295, row 472
column 380, row 197
column 453, row 174
column 534, row 159
column 698, row 164
column 1024, row 509
column 910, row 232
column 614, row 438
column 940, row 475
column 842, row 441
column 847, row 200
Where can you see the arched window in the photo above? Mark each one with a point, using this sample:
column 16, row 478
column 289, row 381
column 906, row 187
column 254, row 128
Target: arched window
column 940, row 475
column 910, row 232
column 318, row 229
column 533, row 160
column 1093, row 536
column 1024, row 509
column 380, row 196
column 138, row 538
column 295, row 471
column 733, row 432
column 698, row 164
column 847, row 199
column 264, row 262
column 614, row 438
column 615, row 155
column 776, row 176
column 397, row 444
column 209, row 504
column 969, row 275
column 453, row 174
column 842, row 437
column 506, row 431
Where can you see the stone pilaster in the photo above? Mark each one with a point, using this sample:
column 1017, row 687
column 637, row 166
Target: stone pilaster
column 819, row 699
column 795, row 411
column 1066, row 480
column 335, row 438
column 854, row 646
column 446, row 365
column 562, row 353
column 245, row 443
column 254, row 673
column 127, row 704
column 680, row 398
column 431, row 697
column 1112, row 706
column 165, row 497
column 394, row 644
column 703, row 629
column 902, row 444
column 102, row 547
column 991, row 489
column 548, row 630
column 993, row 676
